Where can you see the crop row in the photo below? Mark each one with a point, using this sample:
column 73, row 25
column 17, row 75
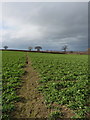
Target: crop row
column 64, row 80
column 12, row 70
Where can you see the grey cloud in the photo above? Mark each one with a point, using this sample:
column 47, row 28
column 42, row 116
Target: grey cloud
column 58, row 24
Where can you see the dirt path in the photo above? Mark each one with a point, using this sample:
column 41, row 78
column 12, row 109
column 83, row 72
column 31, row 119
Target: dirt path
column 32, row 103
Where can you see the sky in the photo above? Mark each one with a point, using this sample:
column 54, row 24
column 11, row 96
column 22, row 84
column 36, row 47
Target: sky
column 48, row 24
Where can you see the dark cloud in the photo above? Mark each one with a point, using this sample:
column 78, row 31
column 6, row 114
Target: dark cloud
column 51, row 25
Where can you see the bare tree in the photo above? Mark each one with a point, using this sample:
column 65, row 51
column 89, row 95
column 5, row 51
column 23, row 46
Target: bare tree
column 65, row 48
column 38, row 48
column 30, row 48
column 5, row 47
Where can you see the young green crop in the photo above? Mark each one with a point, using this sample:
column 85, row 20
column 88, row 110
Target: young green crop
column 64, row 80
column 12, row 63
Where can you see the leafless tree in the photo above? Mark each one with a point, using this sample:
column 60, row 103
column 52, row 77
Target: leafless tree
column 65, row 48
column 30, row 48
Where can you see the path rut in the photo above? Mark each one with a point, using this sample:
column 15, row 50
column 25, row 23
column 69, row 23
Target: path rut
column 31, row 104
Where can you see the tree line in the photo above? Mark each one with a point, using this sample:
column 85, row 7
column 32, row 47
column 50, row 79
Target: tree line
column 38, row 48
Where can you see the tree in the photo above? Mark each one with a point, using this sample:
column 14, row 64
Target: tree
column 65, row 48
column 5, row 47
column 38, row 48
column 30, row 48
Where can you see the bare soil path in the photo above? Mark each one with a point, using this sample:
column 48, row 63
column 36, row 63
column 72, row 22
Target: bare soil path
column 32, row 103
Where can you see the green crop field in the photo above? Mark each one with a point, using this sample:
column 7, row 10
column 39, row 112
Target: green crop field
column 63, row 80
column 12, row 70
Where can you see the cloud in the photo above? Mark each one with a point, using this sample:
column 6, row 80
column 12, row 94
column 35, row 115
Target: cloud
column 50, row 25
column 45, row 1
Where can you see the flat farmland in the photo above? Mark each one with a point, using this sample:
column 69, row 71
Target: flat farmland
column 63, row 82
column 12, row 70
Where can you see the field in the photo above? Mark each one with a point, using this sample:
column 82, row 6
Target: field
column 12, row 65
column 63, row 81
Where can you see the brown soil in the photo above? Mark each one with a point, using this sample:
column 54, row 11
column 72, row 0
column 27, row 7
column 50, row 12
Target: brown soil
column 66, row 112
column 32, row 103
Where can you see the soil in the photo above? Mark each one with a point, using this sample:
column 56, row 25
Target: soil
column 32, row 103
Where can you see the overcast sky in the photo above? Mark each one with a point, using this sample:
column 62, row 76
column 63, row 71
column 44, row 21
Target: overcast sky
column 50, row 25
